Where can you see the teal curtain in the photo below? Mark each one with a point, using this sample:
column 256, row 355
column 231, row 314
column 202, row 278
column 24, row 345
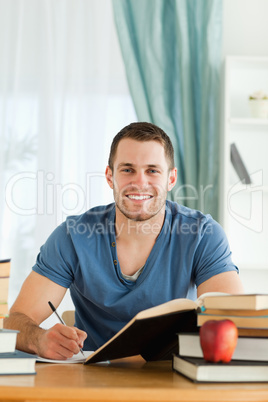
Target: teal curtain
column 172, row 55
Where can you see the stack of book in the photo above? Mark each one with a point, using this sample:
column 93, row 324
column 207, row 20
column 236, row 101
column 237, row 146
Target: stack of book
column 249, row 312
column 250, row 359
column 13, row 361
column 4, row 285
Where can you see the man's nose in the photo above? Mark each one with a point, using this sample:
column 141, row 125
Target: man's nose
column 140, row 179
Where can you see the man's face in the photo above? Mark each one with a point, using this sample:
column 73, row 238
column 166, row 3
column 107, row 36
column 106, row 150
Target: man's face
column 141, row 178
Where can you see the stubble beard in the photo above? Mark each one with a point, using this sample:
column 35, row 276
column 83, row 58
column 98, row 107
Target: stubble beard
column 155, row 207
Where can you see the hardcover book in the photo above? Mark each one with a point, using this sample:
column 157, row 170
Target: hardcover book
column 199, row 370
column 8, row 339
column 237, row 302
column 247, row 348
column 17, row 363
column 258, row 322
column 4, row 287
column 152, row 333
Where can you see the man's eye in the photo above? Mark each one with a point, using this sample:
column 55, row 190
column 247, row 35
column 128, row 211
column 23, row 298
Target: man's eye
column 127, row 170
column 153, row 171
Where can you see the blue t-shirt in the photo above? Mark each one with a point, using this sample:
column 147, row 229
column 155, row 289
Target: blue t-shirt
column 81, row 255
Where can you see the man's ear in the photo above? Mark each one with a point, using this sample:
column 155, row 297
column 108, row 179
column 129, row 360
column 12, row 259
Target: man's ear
column 109, row 176
column 172, row 179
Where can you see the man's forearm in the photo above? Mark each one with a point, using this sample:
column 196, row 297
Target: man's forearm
column 29, row 332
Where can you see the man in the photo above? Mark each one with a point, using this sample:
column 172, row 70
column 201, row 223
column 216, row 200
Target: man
column 125, row 257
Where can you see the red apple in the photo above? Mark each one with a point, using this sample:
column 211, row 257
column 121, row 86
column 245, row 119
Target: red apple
column 218, row 340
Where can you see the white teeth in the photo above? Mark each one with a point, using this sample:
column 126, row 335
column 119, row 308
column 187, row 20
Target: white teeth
column 139, row 197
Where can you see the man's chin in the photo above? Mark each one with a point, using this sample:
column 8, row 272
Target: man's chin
column 138, row 216
column 141, row 213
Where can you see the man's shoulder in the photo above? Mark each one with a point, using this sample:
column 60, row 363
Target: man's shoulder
column 99, row 220
column 186, row 221
column 178, row 211
column 94, row 215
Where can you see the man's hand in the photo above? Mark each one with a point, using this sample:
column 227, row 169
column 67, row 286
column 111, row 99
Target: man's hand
column 60, row 342
column 31, row 309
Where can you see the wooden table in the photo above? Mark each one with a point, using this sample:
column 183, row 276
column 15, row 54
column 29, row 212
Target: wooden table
column 124, row 380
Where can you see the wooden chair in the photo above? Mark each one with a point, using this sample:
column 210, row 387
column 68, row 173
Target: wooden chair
column 68, row 317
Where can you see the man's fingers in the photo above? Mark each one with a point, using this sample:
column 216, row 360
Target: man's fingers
column 82, row 335
column 73, row 338
column 71, row 345
column 63, row 337
column 68, row 332
column 60, row 353
column 62, row 342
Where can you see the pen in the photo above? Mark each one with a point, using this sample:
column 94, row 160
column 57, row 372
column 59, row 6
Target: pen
column 61, row 320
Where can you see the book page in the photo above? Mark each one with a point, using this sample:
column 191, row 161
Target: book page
column 175, row 305
column 200, row 299
column 79, row 358
column 168, row 307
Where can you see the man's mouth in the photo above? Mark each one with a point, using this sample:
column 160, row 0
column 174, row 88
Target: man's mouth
column 138, row 197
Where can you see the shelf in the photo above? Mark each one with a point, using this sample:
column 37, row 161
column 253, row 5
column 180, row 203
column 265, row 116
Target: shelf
column 245, row 207
column 247, row 121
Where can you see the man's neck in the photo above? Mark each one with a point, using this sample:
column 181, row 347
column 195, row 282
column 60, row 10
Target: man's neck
column 130, row 230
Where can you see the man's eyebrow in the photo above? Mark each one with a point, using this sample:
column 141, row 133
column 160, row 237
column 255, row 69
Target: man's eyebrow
column 150, row 165
column 125, row 164
column 155, row 166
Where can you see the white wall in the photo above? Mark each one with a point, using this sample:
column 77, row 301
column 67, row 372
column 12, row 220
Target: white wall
column 245, row 27
column 245, row 33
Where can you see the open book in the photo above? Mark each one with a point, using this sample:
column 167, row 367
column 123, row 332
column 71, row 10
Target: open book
column 152, row 333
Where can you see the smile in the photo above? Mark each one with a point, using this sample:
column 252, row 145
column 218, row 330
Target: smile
column 139, row 197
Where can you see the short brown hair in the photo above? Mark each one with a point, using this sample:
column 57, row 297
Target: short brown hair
column 143, row 131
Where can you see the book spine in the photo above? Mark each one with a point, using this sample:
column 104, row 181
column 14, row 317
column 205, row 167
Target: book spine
column 240, row 322
column 4, row 286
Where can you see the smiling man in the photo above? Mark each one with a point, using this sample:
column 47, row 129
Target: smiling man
column 140, row 175
column 140, row 172
column 122, row 258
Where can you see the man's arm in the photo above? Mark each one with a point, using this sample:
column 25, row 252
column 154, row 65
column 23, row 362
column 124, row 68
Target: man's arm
column 227, row 282
column 31, row 309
